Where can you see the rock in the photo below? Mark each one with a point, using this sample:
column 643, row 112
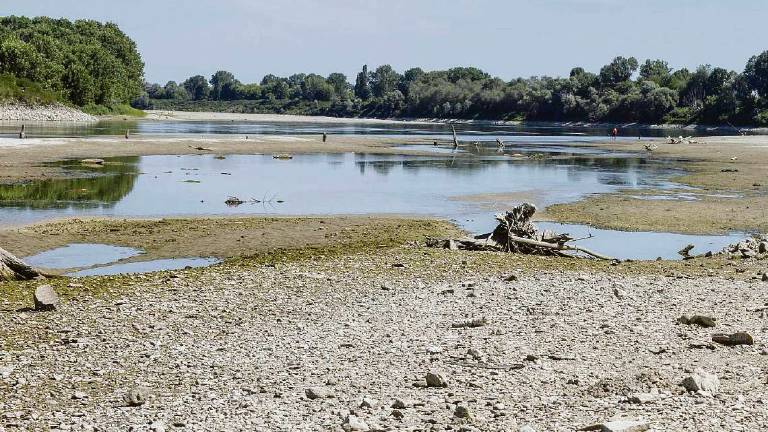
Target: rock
column 396, row 413
column 157, row 426
column 45, row 298
column 765, row 276
column 699, row 320
column 462, row 412
column 475, row 353
column 619, row 293
column 368, row 403
column 435, row 379
column 434, row 350
column 318, row 393
column 642, row 398
column 701, row 381
column 526, row 428
column 400, row 404
column 352, row 423
column 762, row 247
column 79, row 395
column 738, row 338
column 136, row 396
column 625, row 426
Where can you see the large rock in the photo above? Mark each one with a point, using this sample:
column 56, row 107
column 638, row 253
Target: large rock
column 701, row 380
column 46, row 298
column 699, row 320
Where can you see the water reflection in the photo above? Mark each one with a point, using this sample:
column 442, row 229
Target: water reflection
column 319, row 184
column 105, row 185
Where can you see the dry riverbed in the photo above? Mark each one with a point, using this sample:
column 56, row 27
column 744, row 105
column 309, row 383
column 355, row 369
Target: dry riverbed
column 344, row 335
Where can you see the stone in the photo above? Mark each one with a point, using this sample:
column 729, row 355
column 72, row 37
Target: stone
column 765, row 276
column 619, row 293
column 136, row 396
column 462, row 412
column 45, row 298
column 396, row 413
column 475, row 353
column 435, row 379
column 318, row 393
column 738, row 338
column 434, row 350
column 368, row 403
column 79, row 395
column 699, row 320
column 353, row 423
column 399, row 404
column 642, row 398
column 701, row 380
column 625, row 426
column 762, row 247
column 526, row 428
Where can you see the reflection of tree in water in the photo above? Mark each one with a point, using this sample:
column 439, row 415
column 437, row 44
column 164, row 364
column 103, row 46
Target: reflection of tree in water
column 610, row 170
column 104, row 186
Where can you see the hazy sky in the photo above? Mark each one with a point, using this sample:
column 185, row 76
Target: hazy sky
column 507, row 38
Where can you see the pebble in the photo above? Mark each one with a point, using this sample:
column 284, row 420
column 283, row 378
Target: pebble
column 701, row 380
column 318, row 393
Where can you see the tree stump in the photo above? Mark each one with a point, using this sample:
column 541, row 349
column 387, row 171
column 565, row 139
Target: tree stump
column 12, row 268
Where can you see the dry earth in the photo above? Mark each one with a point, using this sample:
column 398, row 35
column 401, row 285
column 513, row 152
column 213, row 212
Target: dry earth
column 243, row 346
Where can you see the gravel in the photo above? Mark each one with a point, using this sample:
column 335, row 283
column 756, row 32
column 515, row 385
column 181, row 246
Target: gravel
column 55, row 112
column 238, row 347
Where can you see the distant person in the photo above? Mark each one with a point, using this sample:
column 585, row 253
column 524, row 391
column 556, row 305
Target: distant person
column 325, row 137
column 22, row 134
column 127, row 133
column 614, row 133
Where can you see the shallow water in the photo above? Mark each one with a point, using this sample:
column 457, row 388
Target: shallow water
column 81, row 255
column 446, row 184
column 146, row 266
column 154, row 186
column 466, row 131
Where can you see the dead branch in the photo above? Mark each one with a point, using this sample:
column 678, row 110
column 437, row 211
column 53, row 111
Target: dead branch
column 12, row 268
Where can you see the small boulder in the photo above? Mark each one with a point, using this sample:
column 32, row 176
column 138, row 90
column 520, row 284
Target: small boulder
column 136, row 396
column 368, row 403
column 642, row 398
column 701, row 381
column 318, row 393
column 526, row 428
column 738, row 338
column 352, row 423
column 625, row 426
column 435, row 379
column 45, row 298
column 400, row 404
column 462, row 412
column 699, row 320
column 765, row 276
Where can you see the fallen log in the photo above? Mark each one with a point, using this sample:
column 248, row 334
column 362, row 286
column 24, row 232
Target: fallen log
column 12, row 268
column 515, row 233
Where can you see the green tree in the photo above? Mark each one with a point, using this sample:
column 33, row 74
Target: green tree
column 339, row 83
column 197, row 87
column 384, row 80
column 756, row 74
column 618, row 71
column 655, row 70
column 222, row 85
column 362, row 88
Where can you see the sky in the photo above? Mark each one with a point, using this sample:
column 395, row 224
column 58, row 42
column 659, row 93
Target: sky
column 506, row 38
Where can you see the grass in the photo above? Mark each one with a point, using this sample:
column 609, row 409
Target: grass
column 24, row 90
column 113, row 110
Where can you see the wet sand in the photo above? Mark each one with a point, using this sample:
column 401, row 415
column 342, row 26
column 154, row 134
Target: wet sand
column 729, row 177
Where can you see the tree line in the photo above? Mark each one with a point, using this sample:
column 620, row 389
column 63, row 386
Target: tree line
column 623, row 90
column 83, row 62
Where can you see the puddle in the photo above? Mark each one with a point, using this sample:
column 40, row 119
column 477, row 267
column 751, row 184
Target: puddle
column 146, row 266
column 79, row 255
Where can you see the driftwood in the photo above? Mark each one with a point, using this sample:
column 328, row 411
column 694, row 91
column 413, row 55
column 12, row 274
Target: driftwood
column 12, row 268
column 455, row 138
column 516, row 233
